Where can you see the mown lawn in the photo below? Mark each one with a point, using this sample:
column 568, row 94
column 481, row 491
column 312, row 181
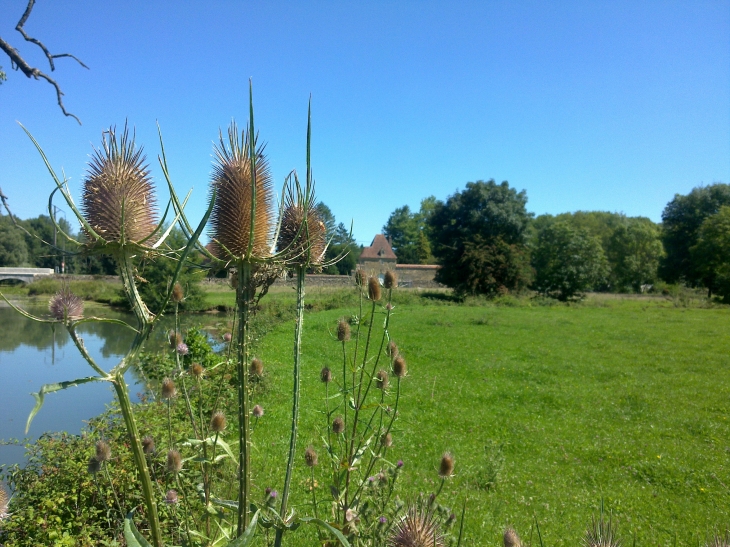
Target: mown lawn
column 620, row 400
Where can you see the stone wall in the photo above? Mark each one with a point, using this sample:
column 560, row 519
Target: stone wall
column 417, row 275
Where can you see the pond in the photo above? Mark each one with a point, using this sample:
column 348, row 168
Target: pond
column 33, row 354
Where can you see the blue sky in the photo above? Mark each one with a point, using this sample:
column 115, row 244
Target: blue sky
column 612, row 106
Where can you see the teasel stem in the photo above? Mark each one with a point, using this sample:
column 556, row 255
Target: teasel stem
column 103, row 499
column 344, row 384
column 169, row 426
column 228, row 362
column 126, row 272
column 182, row 379
column 114, row 492
column 125, row 405
column 295, row 398
column 205, row 465
column 441, row 486
column 329, row 416
column 185, row 506
column 244, row 299
column 314, row 494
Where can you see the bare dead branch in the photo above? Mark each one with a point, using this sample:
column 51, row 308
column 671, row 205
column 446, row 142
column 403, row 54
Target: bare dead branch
column 19, row 63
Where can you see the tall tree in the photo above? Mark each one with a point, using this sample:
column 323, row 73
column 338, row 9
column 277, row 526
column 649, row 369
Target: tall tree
column 634, row 251
column 481, row 231
column 682, row 218
column 567, row 261
column 711, row 253
column 13, row 248
column 409, row 233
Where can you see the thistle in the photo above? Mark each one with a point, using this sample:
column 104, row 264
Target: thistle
column 256, row 368
column 390, row 281
column 148, row 445
column 343, row 330
column 258, row 411
column 400, row 369
column 303, row 235
column 103, row 451
column 65, row 306
column 171, row 497
column 218, row 422
column 168, row 389
column 197, row 370
column 174, row 462
column 118, row 199
column 338, row 425
column 325, row 375
column 374, row 292
column 416, row 529
column 242, row 216
column 310, row 456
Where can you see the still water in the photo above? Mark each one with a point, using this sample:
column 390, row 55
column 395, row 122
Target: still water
column 33, row 354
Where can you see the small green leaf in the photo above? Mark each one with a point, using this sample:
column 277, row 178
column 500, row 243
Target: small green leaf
column 133, row 536
column 50, row 388
column 327, row 526
column 248, row 534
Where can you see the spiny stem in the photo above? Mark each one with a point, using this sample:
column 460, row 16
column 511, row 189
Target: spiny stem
column 114, row 492
column 295, row 399
column 244, row 299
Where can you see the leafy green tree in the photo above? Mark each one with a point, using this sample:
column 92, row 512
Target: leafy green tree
column 409, row 233
column 682, row 219
column 567, row 261
column 328, row 218
column 711, row 253
column 13, row 248
column 634, row 251
column 479, row 238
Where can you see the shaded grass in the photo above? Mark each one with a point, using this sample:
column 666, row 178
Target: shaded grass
column 620, row 400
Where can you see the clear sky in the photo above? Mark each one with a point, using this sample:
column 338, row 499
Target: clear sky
column 586, row 105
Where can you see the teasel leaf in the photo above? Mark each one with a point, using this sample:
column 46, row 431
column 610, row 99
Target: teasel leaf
column 326, row 526
column 56, row 226
column 64, row 191
column 133, row 537
column 50, row 388
column 209, row 442
column 105, row 320
column 302, row 237
column 248, row 534
column 24, row 313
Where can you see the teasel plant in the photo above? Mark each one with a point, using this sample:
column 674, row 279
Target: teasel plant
column 118, row 217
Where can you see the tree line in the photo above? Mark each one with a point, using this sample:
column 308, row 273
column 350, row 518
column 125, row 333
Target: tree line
column 488, row 243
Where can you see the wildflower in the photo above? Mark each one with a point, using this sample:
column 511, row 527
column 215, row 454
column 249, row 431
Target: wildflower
column 182, row 348
column 171, row 497
column 148, row 445
column 416, row 529
column 374, row 289
column 218, row 422
column 446, row 468
column 390, row 280
column 382, row 520
column 338, row 425
column 65, row 305
column 350, row 515
column 511, row 539
column 168, row 389
column 325, row 375
column 399, row 464
column 310, row 456
column 258, row 411
column 343, row 330
column 103, row 451
column 174, row 461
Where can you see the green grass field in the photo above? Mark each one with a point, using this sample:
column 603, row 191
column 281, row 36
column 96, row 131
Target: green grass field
column 624, row 400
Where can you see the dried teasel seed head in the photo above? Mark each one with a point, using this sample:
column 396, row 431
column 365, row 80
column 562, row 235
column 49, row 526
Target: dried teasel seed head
column 387, row 440
column 258, row 411
column 416, row 529
column 103, row 451
column 174, row 461
column 302, row 237
column 218, row 422
column 381, row 380
column 118, row 200
column 325, row 375
column 360, row 278
column 234, row 186
column 511, row 539
column 148, row 445
column 338, row 425
column 65, row 305
column 94, row 465
column 174, row 338
column 446, row 468
column 400, row 369
column 343, row 330
column 374, row 289
column 310, row 456
column 171, row 497
column 392, row 349
column 197, row 370
column 4, row 503
column 168, row 389
column 390, row 280
column 177, row 293
column 257, row 367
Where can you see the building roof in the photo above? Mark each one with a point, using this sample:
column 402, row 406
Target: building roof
column 380, row 249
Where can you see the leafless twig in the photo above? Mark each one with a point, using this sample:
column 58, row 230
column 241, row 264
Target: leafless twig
column 19, row 63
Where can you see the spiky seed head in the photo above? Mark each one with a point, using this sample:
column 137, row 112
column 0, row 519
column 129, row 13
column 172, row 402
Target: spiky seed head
column 197, row 370
column 168, row 389
column 325, row 375
column 310, row 456
column 177, row 293
column 182, row 349
column 174, row 338
column 94, row 465
column 103, row 451
column 227, row 337
column 218, row 422
column 416, row 529
column 4, row 503
column 302, row 237
column 118, row 199
column 602, row 534
column 65, row 305
column 171, row 497
column 446, row 468
column 257, row 367
column 338, row 425
column 381, row 380
column 400, row 369
column 360, row 278
column 374, row 289
column 511, row 539
column 258, row 411
column 390, row 280
column 392, row 349
column 343, row 330
column 148, row 445
column 234, row 186
column 386, row 440
column 174, row 461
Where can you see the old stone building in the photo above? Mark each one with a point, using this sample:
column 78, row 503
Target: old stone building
column 378, row 258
